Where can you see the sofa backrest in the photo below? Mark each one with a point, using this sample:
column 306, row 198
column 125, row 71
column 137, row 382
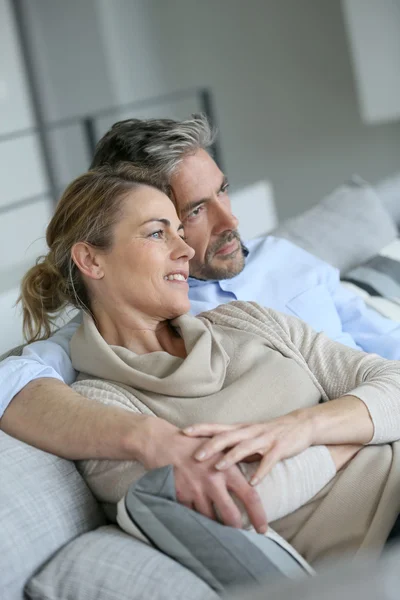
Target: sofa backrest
column 17, row 351
column 44, row 504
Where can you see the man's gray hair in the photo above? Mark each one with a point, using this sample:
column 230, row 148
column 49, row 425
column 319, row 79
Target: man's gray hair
column 156, row 144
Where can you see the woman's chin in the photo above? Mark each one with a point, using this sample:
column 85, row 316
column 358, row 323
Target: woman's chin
column 179, row 309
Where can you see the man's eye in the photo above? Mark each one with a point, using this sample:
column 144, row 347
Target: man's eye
column 157, row 235
column 224, row 188
column 195, row 212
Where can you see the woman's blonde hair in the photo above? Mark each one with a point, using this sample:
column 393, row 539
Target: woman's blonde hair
column 87, row 212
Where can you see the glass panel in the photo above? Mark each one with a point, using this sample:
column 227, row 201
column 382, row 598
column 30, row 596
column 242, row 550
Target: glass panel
column 22, row 240
column 21, row 170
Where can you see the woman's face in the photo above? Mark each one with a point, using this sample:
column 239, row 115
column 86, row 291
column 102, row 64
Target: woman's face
column 146, row 270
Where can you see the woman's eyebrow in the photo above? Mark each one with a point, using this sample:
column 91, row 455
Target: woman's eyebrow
column 165, row 222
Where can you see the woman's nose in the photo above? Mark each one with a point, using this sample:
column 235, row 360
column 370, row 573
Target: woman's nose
column 183, row 249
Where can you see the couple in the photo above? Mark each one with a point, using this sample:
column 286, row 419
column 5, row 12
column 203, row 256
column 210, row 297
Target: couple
column 50, row 415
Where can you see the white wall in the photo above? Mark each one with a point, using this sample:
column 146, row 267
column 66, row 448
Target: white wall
column 68, row 57
column 282, row 80
column 15, row 108
column 280, row 72
column 22, row 224
column 71, row 74
column 374, row 37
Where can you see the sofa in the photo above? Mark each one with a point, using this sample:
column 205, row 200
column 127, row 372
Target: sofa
column 56, row 542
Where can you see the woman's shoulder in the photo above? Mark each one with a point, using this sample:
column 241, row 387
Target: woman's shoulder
column 244, row 311
column 277, row 328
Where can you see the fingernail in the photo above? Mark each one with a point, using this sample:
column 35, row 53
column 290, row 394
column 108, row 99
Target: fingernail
column 254, row 481
column 263, row 529
column 188, row 429
column 200, row 455
column 220, row 465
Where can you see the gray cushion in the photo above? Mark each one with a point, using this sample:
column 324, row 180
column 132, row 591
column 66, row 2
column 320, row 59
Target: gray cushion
column 362, row 579
column 108, row 564
column 17, row 351
column 345, row 229
column 224, row 557
column 44, row 504
column 389, row 192
column 377, row 281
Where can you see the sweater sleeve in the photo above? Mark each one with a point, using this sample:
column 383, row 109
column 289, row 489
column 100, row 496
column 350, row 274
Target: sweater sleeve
column 336, row 369
column 109, row 480
column 341, row 370
column 293, row 482
column 289, row 485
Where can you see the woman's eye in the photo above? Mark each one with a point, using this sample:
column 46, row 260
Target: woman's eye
column 157, row 235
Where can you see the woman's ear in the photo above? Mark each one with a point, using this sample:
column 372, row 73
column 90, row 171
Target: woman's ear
column 86, row 259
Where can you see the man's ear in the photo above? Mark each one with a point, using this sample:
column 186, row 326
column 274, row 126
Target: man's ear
column 86, row 259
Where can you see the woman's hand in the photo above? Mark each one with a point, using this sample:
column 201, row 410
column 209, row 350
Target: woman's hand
column 345, row 420
column 270, row 442
column 199, row 485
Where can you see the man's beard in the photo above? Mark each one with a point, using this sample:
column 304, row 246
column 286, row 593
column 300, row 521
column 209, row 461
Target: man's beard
column 234, row 265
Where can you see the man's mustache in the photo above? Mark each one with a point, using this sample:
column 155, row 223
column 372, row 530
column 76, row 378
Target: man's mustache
column 225, row 238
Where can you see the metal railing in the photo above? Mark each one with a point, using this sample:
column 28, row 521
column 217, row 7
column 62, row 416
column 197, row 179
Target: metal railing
column 88, row 125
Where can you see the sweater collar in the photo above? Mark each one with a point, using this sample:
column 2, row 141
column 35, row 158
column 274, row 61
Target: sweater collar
column 201, row 373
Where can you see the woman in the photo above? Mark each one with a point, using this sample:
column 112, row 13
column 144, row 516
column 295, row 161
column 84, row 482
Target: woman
column 117, row 250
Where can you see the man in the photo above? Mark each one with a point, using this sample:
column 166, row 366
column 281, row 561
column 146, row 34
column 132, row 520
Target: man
column 41, row 410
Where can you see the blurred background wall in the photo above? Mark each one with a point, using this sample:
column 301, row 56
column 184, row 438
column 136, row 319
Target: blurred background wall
column 280, row 74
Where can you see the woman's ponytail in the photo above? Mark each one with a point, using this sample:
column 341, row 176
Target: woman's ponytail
column 43, row 296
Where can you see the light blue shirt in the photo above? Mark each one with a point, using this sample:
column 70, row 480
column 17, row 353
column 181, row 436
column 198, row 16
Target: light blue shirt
column 278, row 275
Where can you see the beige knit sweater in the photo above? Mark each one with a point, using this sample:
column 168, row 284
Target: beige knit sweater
column 246, row 363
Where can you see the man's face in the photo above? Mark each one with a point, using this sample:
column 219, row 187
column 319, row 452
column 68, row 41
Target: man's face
column 200, row 191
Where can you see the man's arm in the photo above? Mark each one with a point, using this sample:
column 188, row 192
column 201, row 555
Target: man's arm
column 362, row 326
column 51, row 416
column 371, row 331
column 45, row 359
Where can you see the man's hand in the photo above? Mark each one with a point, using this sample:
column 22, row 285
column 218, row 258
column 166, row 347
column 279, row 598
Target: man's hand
column 199, row 485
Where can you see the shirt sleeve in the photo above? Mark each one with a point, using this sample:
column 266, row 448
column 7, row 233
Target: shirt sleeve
column 362, row 326
column 47, row 358
column 371, row 331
